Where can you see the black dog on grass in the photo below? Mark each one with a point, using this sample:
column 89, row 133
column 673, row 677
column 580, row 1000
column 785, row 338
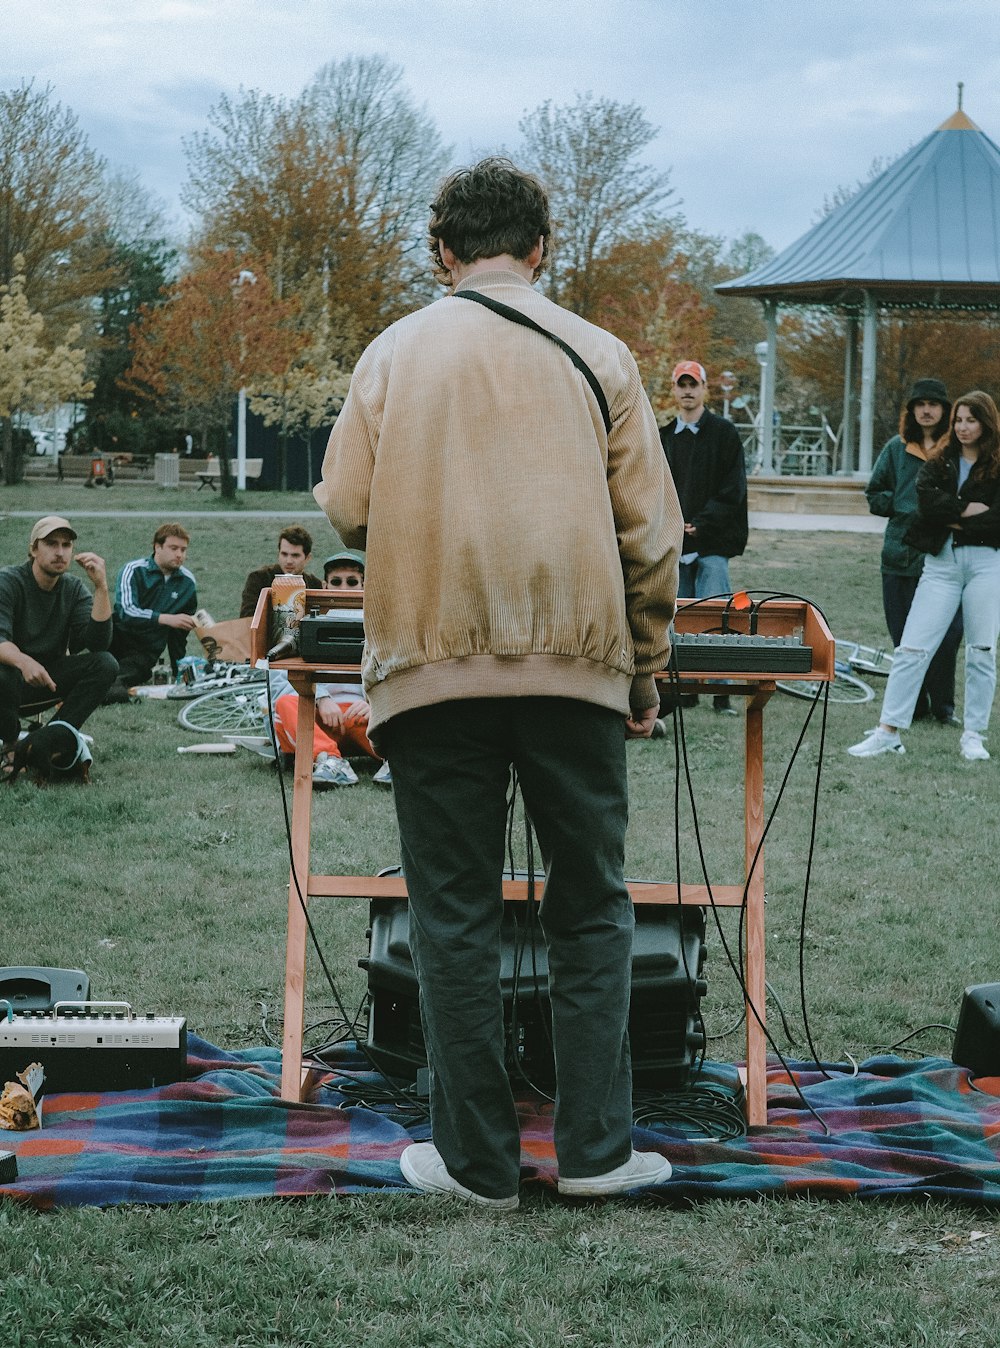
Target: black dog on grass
column 52, row 752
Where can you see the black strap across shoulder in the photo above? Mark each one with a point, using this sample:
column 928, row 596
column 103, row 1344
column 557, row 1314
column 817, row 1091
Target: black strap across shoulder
column 516, row 316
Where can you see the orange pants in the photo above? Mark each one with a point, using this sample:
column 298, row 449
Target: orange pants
column 352, row 738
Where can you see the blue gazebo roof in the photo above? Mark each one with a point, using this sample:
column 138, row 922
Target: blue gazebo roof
column 925, row 232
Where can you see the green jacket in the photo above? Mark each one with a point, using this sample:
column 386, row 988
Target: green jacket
column 892, row 492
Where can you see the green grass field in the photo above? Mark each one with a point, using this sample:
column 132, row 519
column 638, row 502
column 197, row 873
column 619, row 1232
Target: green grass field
column 166, row 881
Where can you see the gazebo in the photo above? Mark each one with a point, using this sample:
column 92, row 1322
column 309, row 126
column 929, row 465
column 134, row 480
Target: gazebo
column 925, row 234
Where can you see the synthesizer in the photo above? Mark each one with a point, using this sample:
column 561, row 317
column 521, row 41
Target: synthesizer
column 739, row 653
column 83, row 1049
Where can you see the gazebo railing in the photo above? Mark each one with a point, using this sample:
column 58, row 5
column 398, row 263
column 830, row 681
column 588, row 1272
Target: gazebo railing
column 796, row 451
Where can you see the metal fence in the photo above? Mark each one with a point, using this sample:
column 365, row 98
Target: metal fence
column 796, row 451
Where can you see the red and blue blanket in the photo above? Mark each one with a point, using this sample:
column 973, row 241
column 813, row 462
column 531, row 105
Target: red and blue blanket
column 893, row 1127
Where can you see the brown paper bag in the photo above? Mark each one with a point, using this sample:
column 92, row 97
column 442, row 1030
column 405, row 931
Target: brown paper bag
column 227, row 640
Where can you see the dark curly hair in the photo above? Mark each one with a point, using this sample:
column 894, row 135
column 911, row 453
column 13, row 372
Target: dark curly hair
column 984, row 409
column 487, row 210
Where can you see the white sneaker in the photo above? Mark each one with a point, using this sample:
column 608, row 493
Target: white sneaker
column 329, row 770
column 383, row 777
column 642, row 1169
column 878, row 742
column 971, row 746
column 423, row 1167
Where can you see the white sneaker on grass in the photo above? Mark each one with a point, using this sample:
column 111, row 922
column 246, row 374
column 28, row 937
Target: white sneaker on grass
column 971, row 746
column 328, row 770
column 642, row 1169
column 383, row 777
column 423, row 1167
column 878, row 742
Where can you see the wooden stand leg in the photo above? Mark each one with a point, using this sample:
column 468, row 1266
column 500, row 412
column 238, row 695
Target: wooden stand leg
column 754, row 965
column 295, row 951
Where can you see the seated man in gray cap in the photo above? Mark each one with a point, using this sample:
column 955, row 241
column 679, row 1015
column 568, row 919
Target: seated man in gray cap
column 54, row 634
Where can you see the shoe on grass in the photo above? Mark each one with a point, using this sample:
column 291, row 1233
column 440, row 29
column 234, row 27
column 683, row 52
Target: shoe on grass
column 384, row 776
column 328, row 770
column 659, row 730
column 878, row 742
column 424, row 1169
column 723, row 706
column 971, row 747
column 642, row 1169
column 947, row 718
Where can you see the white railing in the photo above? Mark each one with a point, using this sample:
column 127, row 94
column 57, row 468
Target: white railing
column 796, row 451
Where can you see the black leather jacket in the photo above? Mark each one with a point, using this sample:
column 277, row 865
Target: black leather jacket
column 940, row 504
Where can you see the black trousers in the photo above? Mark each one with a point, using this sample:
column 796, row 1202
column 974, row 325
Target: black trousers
column 451, row 772
column 937, row 694
column 82, row 682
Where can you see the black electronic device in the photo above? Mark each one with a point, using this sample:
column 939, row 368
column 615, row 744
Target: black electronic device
column 32, row 988
column 336, row 637
column 665, row 1029
column 977, row 1038
column 94, row 1046
column 739, row 653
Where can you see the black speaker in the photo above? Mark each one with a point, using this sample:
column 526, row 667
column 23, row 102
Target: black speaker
column 977, row 1039
column 665, row 1028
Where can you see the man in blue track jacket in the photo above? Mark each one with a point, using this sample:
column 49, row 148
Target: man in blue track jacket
column 155, row 602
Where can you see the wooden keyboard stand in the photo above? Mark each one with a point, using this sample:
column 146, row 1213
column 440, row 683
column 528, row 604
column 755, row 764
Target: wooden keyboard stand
column 777, row 618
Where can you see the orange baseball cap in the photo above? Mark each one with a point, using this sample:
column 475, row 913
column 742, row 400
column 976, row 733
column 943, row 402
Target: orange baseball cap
column 692, row 368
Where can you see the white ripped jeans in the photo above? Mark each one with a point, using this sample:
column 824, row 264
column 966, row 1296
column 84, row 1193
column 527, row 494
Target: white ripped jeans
column 969, row 576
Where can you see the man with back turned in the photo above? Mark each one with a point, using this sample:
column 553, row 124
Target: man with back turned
column 522, row 543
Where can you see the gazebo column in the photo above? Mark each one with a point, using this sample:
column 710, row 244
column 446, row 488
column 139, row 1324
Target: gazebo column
column 868, row 343
column 767, row 398
column 849, row 422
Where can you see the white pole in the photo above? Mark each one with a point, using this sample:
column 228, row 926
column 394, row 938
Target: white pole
column 241, row 441
column 849, row 422
column 867, row 428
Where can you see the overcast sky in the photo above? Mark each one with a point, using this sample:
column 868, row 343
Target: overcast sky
column 763, row 107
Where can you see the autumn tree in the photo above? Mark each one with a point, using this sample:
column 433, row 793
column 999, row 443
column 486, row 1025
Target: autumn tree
column 331, row 186
column 307, row 395
column 35, row 374
column 220, row 329
column 602, row 196
column 51, row 212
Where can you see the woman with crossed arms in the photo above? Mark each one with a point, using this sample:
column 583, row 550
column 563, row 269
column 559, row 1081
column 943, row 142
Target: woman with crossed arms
column 958, row 526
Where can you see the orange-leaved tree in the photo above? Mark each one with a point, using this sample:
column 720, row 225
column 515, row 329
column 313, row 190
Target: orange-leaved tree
column 220, row 329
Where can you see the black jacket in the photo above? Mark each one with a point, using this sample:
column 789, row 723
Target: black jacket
column 711, row 480
column 940, row 503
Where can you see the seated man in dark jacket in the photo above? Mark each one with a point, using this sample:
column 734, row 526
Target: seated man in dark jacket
column 294, row 550
column 705, row 455
column 54, row 634
column 155, row 601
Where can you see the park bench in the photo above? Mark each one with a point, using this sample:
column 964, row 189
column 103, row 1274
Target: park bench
column 211, row 472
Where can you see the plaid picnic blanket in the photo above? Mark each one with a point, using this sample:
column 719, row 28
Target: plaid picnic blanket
column 895, row 1127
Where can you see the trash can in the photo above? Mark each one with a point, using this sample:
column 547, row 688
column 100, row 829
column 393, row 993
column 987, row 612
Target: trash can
column 167, row 470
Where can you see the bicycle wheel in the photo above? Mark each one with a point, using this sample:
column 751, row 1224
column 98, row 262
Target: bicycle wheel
column 236, row 710
column 845, row 687
column 875, row 662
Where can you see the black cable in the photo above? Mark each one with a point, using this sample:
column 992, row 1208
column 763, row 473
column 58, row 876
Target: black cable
column 891, row 1048
column 338, row 1001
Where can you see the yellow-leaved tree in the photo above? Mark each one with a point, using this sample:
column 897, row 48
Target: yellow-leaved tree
column 35, row 375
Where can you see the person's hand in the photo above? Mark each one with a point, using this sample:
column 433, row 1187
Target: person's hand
column 183, row 621
column 690, row 530
column 975, row 508
column 329, row 715
column 639, row 725
column 34, row 674
column 95, row 568
column 358, row 712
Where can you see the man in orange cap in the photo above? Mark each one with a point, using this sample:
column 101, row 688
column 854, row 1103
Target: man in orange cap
column 705, row 455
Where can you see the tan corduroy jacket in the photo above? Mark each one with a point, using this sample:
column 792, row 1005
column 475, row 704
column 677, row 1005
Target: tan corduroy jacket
column 514, row 549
